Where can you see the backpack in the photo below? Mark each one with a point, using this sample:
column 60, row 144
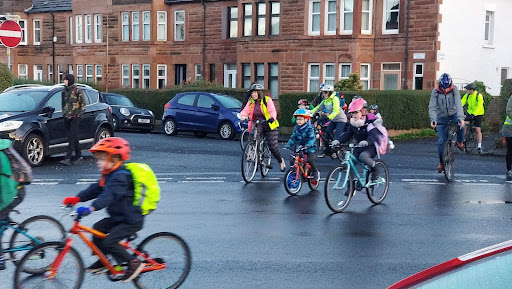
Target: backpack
column 382, row 140
column 14, row 173
column 146, row 188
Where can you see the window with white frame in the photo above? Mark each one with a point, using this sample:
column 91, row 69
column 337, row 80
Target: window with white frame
column 259, row 73
column 126, row 75
column 345, row 70
column 161, row 30
column 37, row 31
column 79, row 28
column 489, row 28
column 71, row 30
column 347, row 16
column 23, row 26
column 38, row 72
column 88, row 29
column 179, row 25
column 22, row 71
column 233, row 22
column 330, row 22
column 88, row 73
column 261, row 18
column 70, row 69
column 418, row 76
column 198, row 73
column 504, row 74
column 364, row 76
column 390, row 76
column 273, row 79
column 97, row 28
column 366, row 17
column 146, row 75
column 99, row 72
column 125, row 23
column 329, row 72
column 247, row 19
column 314, row 17
column 161, row 75
column 313, row 77
column 135, row 76
column 60, row 72
column 80, row 73
column 391, row 13
column 146, row 25
column 275, row 8
column 50, row 72
column 135, row 26
column 246, row 75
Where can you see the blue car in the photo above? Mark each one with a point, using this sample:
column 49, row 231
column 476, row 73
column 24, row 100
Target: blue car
column 202, row 113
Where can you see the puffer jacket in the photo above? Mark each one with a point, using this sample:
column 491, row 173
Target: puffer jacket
column 445, row 104
column 303, row 135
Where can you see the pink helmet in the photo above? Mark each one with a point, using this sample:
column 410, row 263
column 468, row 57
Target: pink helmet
column 357, row 103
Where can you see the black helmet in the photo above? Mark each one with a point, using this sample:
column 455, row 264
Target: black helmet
column 256, row 86
column 374, row 106
column 471, row 86
column 445, row 81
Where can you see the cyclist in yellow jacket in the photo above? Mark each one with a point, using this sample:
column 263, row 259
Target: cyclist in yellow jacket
column 475, row 111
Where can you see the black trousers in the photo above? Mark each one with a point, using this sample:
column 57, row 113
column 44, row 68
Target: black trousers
column 272, row 137
column 115, row 232
column 311, row 161
column 72, row 128
column 509, row 153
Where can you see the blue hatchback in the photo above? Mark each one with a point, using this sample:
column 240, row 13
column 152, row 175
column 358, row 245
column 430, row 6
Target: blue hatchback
column 202, row 113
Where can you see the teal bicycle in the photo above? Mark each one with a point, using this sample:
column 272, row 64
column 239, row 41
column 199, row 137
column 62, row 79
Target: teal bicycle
column 344, row 181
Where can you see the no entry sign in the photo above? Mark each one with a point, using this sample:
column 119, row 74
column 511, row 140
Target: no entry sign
column 10, row 33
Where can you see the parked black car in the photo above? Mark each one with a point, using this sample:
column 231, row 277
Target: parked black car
column 31, row 116
column 125, row 115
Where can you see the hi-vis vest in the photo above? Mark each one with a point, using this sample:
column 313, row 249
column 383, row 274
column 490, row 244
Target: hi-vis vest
column 264, row 109
column 508, row 121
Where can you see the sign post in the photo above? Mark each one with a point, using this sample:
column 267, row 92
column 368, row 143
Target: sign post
column 10, row 36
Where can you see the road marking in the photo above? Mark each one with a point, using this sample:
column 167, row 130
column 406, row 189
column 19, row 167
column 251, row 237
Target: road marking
column 85, row 183
column 202, row 181
column 420, row 180
column 205, row 178
column 44, row 183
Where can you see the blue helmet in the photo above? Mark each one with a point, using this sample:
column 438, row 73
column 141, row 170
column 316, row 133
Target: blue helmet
column 302, row 112
column 445, row 81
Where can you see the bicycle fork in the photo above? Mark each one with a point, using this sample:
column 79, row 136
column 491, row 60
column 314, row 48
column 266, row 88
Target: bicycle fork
column 54, row 267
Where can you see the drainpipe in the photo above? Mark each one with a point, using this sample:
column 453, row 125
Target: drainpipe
column 406, row 54
column 203, row 48
column 53, row 46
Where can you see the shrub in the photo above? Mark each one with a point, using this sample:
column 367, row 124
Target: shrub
column 6, row 78
column 505, row 94
column 352, row 83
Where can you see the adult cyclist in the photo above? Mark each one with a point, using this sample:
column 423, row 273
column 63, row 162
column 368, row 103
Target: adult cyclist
column 445, row 106
column 475, row 111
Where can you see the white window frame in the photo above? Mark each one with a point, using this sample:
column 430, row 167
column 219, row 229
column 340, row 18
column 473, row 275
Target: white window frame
column 343, row 15
column 397, row 72
column 198, row 72
column 385, row 17
column 275, row 17
column 247, row 19
column 25, row 75
column 326, row 18
column 23, row 31
column 329, row 79
column 50, row 72
column 79, row 73
column 341, row 70
column 161, row 23
column 489, row 28
column 310, row 78
column 125, row 79
column 98, row 22
column 161, row 67
column 261, row 18
column 146, row 24
column 70, row 69
column 230, row 73
column 98, row 76
column 368, row 79
column 125, row 24
column 59, row 71
column 89, row 77
column 417, row 75
column 232, row 22
column 146, row 68
column 135, row 26
column 135, row 77
column 88, row 28
column 37, row 31
column 79, row 29
column 71, row 28
column 311, row 16
column 38, row 73
column 370, row 16
column 178, row 24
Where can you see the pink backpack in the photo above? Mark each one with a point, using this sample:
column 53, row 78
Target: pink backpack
column 382, row 140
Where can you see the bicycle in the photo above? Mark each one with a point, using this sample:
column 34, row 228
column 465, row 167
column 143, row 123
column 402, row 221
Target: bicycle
column 449, row 150
column 320, row 123
column 244, row 136
column 470, row 140
column 256, row 154
column 343, row 181
column 166, row 256
column 298, row 172
column 29, row 233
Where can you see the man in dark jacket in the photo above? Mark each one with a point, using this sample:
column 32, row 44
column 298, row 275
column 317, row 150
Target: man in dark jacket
column 73, row 108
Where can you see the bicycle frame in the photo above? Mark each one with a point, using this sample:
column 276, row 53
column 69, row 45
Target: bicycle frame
column 351, row 161
column 8, row 223
column 297, row 164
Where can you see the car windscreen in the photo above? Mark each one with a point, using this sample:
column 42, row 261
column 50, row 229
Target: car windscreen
column 21, row 100
column 118, row 100
column 228, row 102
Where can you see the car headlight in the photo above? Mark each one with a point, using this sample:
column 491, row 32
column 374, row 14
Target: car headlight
column 124, row 111
column 10, row 125
column 150, row 112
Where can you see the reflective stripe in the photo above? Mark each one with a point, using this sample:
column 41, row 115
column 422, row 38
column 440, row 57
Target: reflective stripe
column 264, row 109
column 508, row 121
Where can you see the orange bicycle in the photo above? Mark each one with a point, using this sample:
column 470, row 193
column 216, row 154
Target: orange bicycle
column 58, row 265
column 298, row 172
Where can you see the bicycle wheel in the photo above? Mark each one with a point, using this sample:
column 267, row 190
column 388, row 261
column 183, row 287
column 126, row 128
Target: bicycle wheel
column 244, row 138
column 378, row 190
column 292, row 181
column 313, row 185
column 470, row 141
column 249, row 162
column 448, row 161
column 34, row 230
column 69, row 275
column 337, row 192
column 266, row 159
column 171, row 250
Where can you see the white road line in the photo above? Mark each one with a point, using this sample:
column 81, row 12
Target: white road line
column 203, row 181
column 84, row 183
column 205, row 178
column 44, row 180
column 44, row 183
column 420, row 180
column 426, row 183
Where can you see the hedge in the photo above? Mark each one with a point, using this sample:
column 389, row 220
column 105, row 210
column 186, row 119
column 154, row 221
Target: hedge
column 505, row 94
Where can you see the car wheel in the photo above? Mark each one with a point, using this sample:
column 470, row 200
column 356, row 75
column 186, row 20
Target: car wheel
column 101, row 134
column 115, row 123
column 227, row 130
column 170, row 127
column 200, row 134
column 33, row 150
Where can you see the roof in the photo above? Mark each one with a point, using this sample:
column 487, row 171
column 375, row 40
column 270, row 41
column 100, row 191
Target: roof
column 42, row 6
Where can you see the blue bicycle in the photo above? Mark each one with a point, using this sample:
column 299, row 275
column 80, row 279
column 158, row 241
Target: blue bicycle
column 343, row 181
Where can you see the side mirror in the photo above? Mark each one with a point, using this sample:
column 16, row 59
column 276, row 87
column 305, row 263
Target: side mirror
column 215, row 107
column 48, row 111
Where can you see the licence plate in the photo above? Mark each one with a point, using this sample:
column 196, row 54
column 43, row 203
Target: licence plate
column 141, row 120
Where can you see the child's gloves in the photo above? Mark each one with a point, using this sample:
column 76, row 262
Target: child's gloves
column 83, row 211
column 70, row 201
column 271, row 120
column 363, row 143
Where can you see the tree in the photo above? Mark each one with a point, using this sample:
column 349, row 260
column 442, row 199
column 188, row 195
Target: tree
column 6, row 78
column 352, row 83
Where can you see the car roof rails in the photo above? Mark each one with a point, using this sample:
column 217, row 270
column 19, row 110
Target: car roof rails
column 22, row 86
column 78, row 84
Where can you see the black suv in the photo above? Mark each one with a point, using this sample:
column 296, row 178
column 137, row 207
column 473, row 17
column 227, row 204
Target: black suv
column 31, row 116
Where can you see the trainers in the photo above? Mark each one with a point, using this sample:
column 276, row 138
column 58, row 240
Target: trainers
column 134, row 268
column 282, row 165
column 460, row 145
column 77, row 161
column 509, row 175
column 479, row 150
column 317, row 176
column 96, row 267
column 440, row 168
column 321, row 155
column 66, row 162
column 375, row 174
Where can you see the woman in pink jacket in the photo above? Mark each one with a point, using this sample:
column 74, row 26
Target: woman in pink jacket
column 261, row 107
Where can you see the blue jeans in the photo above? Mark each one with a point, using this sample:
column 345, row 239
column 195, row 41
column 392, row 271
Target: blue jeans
column 442, row 133
column 339, row 126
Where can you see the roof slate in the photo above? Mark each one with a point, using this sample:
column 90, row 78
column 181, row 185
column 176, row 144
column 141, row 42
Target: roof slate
column 41, row 6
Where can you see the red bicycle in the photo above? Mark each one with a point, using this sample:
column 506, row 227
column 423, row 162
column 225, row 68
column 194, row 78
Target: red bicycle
column 299, row 172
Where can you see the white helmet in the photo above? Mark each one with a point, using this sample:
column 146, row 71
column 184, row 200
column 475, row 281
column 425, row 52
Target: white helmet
column 328, row 87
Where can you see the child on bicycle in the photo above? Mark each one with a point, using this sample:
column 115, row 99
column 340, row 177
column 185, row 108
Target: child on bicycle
column 114, row 191
column 304, row 135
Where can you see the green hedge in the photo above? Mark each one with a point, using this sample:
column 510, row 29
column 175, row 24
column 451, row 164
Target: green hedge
column 505, row 94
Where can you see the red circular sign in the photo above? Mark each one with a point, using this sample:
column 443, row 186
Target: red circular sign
column 10, row 33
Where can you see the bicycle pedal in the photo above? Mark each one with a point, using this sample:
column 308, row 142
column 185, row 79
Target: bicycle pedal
column 98, row 273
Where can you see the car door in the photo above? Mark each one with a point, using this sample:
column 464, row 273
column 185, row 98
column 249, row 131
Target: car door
column 186, row 111
column 207, row 117
column 55, row 124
